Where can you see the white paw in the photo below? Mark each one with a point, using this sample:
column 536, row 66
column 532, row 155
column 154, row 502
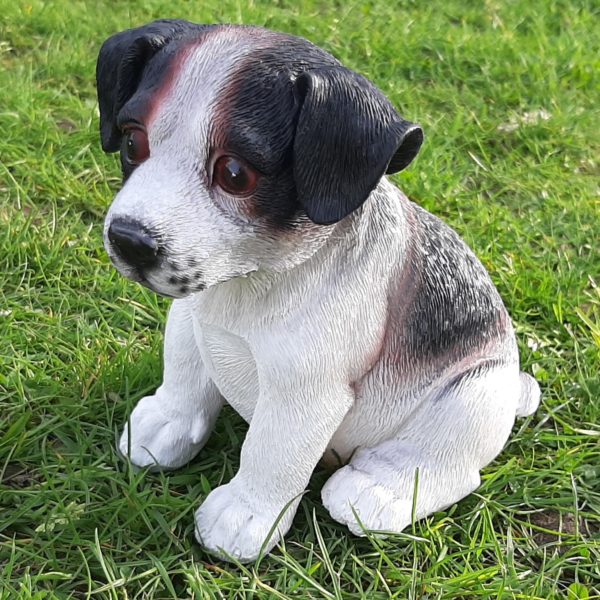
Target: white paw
column 228, row 525
column 349, row 491
column 161, row 439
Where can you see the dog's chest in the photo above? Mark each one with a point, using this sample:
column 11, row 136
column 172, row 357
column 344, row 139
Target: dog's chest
column 231, row 366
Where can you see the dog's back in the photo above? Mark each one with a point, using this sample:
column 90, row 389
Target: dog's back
column 444, row 311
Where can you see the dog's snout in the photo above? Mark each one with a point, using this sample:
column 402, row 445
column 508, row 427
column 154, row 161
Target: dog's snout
column 133, row 243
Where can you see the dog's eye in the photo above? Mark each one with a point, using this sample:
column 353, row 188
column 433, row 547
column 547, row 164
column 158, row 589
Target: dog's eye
column 234, row 176
column 135, row 146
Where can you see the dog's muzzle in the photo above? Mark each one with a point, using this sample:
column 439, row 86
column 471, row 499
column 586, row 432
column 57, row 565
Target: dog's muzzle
column 133, row 244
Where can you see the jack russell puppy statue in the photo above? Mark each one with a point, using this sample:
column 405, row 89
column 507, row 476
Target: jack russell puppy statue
column 344, row 323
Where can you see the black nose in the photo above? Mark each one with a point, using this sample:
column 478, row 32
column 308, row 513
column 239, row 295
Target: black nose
column 133, row 243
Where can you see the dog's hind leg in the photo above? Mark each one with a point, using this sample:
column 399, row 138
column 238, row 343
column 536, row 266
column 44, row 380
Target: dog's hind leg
column 452, row 435
column 169, row 428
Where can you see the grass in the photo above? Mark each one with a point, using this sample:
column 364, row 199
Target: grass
column 80, row 344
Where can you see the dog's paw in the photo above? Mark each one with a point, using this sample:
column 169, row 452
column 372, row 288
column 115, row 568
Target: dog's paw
column 229, row 526
column 156, row 439
column 350, row 493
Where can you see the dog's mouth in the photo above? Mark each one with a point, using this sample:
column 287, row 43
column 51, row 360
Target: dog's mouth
column 141, row 279
column 162, row 279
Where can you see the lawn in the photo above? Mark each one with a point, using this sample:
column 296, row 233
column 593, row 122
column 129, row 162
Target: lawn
column 507, row 93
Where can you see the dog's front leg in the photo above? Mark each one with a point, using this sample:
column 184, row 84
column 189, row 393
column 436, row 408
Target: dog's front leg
column 169, row 428
column 294, row 420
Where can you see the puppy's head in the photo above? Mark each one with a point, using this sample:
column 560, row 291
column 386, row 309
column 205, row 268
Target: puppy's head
column 240, row 148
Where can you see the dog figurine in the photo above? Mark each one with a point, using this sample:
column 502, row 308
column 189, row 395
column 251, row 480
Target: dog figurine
column 343, row 322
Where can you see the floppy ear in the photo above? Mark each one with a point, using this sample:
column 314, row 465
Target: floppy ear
column 120, row 66
column 348, row 135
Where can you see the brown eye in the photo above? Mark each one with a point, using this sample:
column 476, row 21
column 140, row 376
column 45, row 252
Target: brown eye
column 135, row 146
column 234, row 176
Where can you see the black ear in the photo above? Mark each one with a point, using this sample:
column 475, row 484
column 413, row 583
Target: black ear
column 120, row 66
column 348, row 135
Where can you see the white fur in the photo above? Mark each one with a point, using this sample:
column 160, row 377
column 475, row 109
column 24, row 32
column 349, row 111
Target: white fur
column 283, row 330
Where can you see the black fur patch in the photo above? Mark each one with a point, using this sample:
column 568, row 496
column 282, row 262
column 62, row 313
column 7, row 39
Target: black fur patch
column 256, row 119
column 447, row 308
column 321, row 134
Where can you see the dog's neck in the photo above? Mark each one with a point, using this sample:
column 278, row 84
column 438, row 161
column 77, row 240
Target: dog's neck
column 381, row 215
